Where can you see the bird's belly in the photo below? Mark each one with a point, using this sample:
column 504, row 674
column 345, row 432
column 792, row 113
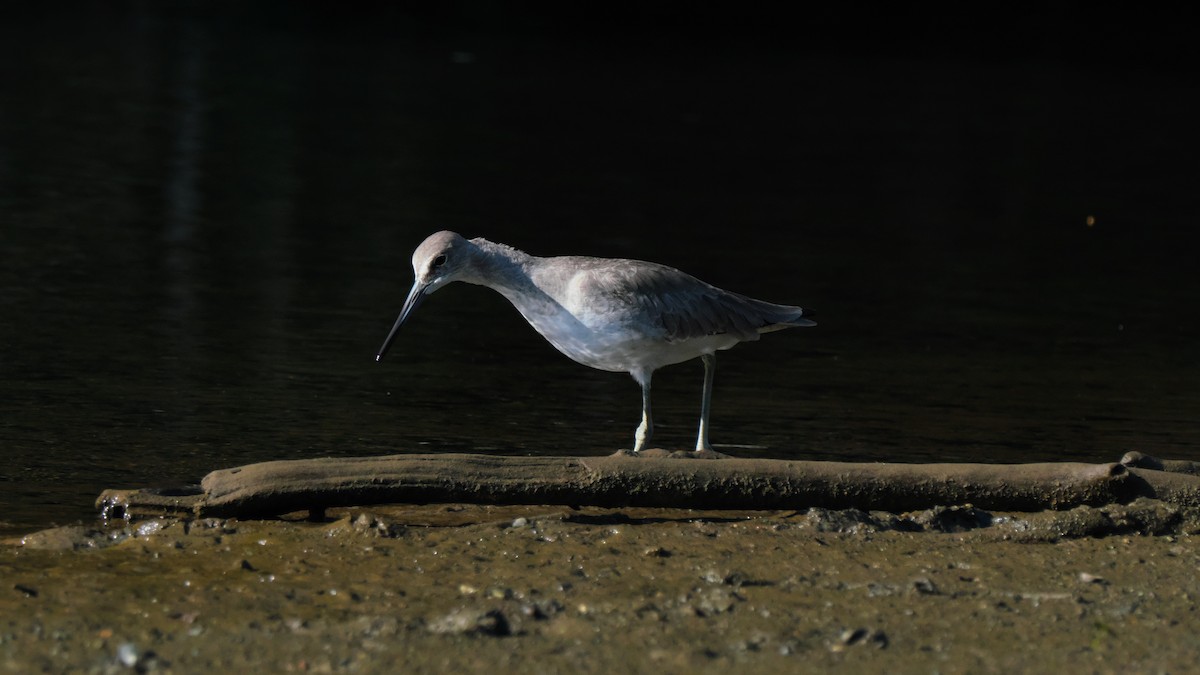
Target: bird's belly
column 617, row 347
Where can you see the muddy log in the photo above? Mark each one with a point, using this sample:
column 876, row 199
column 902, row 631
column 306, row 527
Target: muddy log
column 654, row 479
column 1135, row 459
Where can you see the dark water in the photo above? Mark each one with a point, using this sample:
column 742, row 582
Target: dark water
column 206, row 218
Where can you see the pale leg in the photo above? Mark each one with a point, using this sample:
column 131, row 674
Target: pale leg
column 710, row 369
column 646, row 429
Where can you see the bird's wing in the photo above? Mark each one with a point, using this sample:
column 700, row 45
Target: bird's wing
column 685, row 307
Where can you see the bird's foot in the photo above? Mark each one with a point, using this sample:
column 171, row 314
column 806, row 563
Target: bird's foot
column 707, row 453
column 662, row 453
column 656, row 453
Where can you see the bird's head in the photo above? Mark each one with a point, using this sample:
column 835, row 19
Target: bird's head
column 442, row 258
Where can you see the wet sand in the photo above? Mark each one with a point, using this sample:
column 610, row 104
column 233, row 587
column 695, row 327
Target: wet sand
column 551, row 589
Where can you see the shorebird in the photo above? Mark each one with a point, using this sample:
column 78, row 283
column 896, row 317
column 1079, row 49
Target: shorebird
column 608, row 313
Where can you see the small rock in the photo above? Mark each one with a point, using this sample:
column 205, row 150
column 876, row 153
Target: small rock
column 715, row 601
column 737, row 579
column 127, row 654
column 860, row 636
column 542, row 609
column 1085, row 578
column 464, row 621
column 924, row 586
column 848, row 521
column 853, row 637
column 520, row 522
column 367, row 523
column 878, row 590
column 656, row 552
column 149, row 527
column 650, row 611
column 952, row 518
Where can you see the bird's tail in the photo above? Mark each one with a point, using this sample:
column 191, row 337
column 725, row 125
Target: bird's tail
column 788, row 317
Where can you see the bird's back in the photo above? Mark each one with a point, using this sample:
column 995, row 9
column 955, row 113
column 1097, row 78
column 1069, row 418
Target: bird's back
column 667, row 303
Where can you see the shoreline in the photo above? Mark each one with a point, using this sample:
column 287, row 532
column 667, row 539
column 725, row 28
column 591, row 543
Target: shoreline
column 554, row 589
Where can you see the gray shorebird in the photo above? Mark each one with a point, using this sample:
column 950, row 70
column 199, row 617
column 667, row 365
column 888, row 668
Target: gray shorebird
column 608, row 313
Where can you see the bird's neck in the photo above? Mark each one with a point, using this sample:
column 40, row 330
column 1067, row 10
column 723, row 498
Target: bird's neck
column 517, row 276
column 502, row 268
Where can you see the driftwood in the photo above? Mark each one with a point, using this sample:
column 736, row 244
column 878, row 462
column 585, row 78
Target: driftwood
column 658, row 479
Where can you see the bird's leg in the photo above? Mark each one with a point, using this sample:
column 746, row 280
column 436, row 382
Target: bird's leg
column 710, row 369
column 646, row 429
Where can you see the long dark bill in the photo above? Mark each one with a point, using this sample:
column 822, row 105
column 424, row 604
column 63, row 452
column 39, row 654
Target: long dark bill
column 415, row 296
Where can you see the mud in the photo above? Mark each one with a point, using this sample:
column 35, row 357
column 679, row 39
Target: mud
column 549, row 589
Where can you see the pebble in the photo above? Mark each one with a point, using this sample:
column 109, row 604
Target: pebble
column 924, row 586
column 848, row 521
column 714, row 601
column 952, row 518
column 860, row 636
column 543, row 609
column 368, row 523
column 462, row 621
column 127, row 654
column 149, row 527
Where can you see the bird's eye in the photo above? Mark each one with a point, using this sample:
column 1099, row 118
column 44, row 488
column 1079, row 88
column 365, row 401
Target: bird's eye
column 439, row 261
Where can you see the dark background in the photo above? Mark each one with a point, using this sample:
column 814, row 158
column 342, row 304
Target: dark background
column 207, row 211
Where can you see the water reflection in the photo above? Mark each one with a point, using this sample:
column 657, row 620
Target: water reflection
column 207, row 224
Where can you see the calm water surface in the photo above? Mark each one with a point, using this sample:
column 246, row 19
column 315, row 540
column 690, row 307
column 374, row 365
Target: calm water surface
column 206, row 225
